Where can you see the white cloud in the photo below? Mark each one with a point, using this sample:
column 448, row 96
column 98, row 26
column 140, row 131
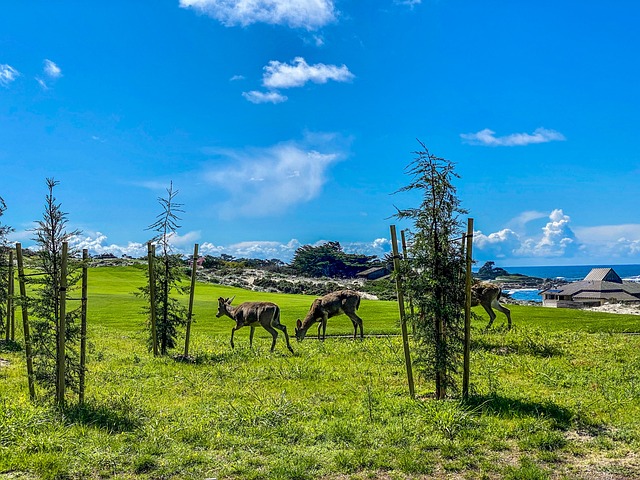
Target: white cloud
column 51, row 69
column 409, row 3
column 8, row 74
column 307, row 14
column 487, row 137
column 96, row 244
column 262, row 182
column 299, row 72
column 255, row 96
column 254, row 249
column 557, row 239
column 236, row 78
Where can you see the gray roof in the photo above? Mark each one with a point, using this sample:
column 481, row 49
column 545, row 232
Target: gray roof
column 603, row 274
column 621, row 291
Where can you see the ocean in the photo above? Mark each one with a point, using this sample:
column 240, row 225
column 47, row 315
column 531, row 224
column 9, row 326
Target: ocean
column 568, row 273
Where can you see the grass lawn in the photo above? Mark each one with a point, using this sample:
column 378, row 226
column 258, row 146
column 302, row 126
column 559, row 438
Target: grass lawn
column 557, row 397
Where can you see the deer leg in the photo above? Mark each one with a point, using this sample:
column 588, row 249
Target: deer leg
column 319, row 329
column 253, row 329
column 357, row 322
column 273, row 333
column 286, row 335
column 492, row 315
column 495, row 304
column 233, row 331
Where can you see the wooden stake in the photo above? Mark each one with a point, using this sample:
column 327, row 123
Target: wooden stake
column 83, row 325
column 62, row 326
column 151, row 255
column 467, row 311
column 25, row 324
column 194, row 267
column 403, row 320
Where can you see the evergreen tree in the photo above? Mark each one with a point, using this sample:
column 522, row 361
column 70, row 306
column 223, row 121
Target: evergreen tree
column 329, row 260
column 434, row 273
column 4, row 267
column 44, row 304
column 169, row 273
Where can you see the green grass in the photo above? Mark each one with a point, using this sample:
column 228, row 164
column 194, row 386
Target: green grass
column 557, row 397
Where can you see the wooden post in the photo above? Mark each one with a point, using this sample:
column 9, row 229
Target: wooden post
column 8, row 334
column 83, row 325
column 406, row 257
column 467, row 311
column 403, row 321
column 25, row 323
column 194, row 267
column 62, row 326
column 151, row 255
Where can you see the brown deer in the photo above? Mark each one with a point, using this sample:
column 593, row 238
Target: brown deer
column 343, row 301
column 252, row 314
column 487, row 295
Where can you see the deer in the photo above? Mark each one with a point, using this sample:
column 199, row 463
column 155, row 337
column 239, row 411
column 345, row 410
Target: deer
column 487, row 295
column 252, row 314
column 331, row 305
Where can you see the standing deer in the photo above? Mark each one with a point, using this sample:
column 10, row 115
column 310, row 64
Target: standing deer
column 343, row 301
column 252, row 314
column 487, row 295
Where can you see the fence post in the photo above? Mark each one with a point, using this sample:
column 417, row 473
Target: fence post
column 83, row 325
column 62, row 326
column 403, row 320
column 194, row 267
column 467, row 311
column 151, row 257
column 25, row 323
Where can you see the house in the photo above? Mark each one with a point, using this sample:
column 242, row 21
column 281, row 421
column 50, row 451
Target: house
column 373, row 273
column 600, row 286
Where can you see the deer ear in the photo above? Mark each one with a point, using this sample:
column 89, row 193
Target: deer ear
column 299, row 324
column 229, row 300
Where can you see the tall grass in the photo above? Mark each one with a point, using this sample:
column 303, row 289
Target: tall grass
column 548, row 401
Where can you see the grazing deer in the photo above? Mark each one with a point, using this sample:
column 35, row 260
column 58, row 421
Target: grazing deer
column 487, row 295
column 343, row 301
column 252, row 314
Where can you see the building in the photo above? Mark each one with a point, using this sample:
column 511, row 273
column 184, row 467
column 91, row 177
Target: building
column 600, row 286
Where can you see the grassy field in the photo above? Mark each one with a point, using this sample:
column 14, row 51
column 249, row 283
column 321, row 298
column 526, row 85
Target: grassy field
column 557, row 397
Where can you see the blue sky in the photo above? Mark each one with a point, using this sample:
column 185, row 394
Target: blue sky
column 290, row 122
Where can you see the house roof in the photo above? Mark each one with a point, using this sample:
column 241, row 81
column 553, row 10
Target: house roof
column 603, row 274
column 600, row 283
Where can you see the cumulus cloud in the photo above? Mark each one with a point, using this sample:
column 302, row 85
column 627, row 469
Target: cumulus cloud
column 299, row 72
column 267, row 181
column 487, row 137
column 264, row 250
column 307, row 14
column 255, row 96
column 96, row 243
column 8, row 74
column 556, row 239
column 622, row 241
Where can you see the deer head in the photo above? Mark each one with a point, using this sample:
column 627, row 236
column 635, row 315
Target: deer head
column 223, row 306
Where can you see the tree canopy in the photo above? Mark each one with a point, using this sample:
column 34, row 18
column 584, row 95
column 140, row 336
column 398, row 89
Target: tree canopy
column 330, row 260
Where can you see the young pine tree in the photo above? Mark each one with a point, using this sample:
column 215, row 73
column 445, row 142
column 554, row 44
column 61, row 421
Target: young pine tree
column 168, row 273
column 4, row 267
column 44, row 303
column 433, row 274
